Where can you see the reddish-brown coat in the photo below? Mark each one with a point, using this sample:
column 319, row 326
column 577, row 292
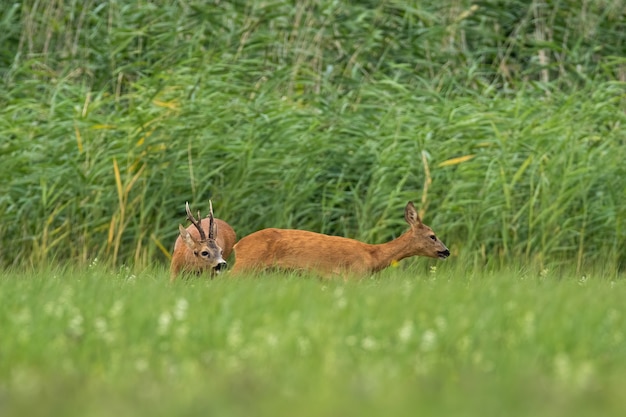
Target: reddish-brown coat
column 290, row 249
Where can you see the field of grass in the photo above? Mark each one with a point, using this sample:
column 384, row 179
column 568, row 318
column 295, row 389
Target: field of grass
column 503, row 120
column 410, row 341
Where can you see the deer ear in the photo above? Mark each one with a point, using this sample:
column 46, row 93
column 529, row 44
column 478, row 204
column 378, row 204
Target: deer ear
column 186, row 236
column 215, row 230
column 410, row 214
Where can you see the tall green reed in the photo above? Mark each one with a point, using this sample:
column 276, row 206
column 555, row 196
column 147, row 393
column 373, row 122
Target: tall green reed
column 322, row 116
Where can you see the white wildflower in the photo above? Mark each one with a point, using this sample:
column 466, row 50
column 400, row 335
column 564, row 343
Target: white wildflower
column 75, row 326
column 141, row 365
column 100, row 325
column 53, row 309
column 234, row 338
column 93, row 263
column 272, row 340
column 165, row 319
column 116, row 309
column 102, row 329
column 341, row 300
column 406, row 331
column 369, row 343
column 429, row 340
column 180, row 310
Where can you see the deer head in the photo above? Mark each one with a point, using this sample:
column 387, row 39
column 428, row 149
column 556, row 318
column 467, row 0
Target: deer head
column 205, row 249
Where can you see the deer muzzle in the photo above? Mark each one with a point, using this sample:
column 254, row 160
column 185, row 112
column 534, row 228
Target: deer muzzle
column 220, row 266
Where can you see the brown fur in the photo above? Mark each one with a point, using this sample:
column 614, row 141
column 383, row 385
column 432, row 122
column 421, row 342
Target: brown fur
column 184, row 259
column 303, row 250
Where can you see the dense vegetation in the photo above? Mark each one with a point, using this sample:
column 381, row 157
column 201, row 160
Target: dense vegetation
column 503, row 120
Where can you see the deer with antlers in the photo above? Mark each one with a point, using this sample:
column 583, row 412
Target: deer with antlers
column 289, row 249
column 195, row 252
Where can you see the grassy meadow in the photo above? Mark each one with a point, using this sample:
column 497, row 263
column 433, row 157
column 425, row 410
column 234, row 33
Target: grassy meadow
column 90, row 342
column 504, row 121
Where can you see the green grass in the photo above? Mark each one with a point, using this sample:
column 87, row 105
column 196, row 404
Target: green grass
column 503, row 121
column 418, row 339
column 317, row 115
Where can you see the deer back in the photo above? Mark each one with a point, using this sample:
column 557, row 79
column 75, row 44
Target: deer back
column 291, row 249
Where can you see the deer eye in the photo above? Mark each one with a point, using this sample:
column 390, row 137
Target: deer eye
column 204, row 253
column 433, row 237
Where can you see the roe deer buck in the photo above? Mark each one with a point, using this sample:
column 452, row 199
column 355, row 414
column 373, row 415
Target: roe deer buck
column 303, row 250
column 195, row 252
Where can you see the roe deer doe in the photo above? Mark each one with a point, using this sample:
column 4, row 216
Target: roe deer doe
column 289, row 249
column 195, row 252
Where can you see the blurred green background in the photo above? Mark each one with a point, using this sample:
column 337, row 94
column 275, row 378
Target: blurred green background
column 503, row 120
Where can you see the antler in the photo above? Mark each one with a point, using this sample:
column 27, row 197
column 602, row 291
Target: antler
column 197, row 223
column 211, row 221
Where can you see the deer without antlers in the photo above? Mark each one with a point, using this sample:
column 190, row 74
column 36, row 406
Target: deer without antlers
column 303, row 250
column 196, row 252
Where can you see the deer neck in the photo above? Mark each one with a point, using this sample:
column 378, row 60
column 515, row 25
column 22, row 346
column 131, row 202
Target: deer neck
column 386, row 253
